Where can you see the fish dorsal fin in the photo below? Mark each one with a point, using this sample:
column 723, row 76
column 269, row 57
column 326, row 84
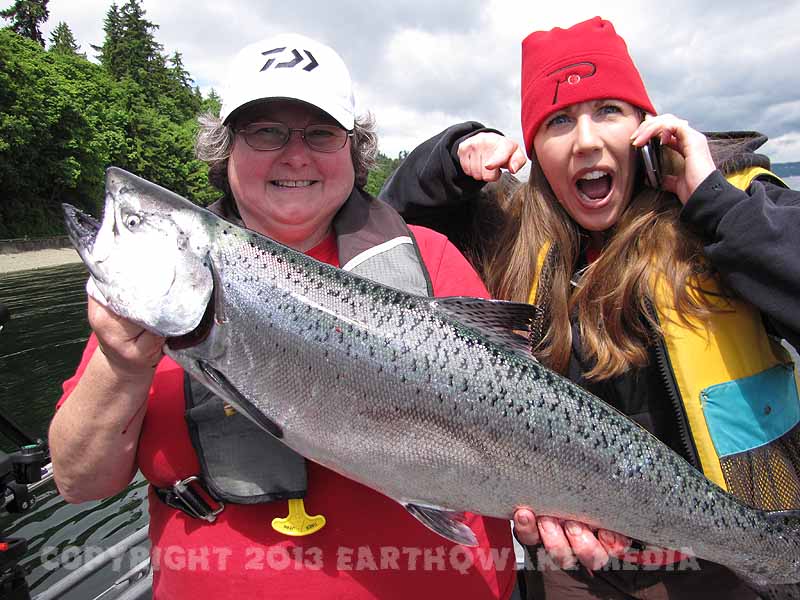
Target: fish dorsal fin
column 447, row 524
column 495, row 319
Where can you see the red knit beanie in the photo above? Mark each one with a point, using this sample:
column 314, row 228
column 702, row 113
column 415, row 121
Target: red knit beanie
column 588, row 61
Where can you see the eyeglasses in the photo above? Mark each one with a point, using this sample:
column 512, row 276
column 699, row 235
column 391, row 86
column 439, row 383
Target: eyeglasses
column 274, row 136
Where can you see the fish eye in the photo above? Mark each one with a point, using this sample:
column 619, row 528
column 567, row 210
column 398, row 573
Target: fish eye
column 131, row 221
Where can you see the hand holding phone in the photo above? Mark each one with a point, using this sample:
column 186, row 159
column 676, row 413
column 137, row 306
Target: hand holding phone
column 651, row 158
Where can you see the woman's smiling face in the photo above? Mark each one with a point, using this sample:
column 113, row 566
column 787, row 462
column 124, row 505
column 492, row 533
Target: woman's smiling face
column 586, row 154
column 290, row 194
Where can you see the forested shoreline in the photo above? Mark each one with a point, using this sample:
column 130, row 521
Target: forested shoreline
column 64, row 119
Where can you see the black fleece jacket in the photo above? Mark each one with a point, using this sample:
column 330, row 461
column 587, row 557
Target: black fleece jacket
column 752, row 238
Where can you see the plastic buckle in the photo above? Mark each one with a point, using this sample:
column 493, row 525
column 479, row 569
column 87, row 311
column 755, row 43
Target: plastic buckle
column 193, row 502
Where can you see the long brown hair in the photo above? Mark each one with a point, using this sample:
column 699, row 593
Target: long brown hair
column 647, row 247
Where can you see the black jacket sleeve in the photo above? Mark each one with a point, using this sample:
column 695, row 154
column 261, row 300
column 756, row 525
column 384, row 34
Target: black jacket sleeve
column 752, row 239
column 431, row 175
column 430, row 189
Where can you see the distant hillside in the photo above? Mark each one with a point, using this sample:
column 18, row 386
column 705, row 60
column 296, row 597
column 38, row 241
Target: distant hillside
column 790, row 169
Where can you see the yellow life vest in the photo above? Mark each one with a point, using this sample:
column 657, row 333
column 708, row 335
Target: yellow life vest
column 738, row 389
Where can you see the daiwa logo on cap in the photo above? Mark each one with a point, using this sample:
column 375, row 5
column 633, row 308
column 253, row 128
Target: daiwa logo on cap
column 290, row 67
column 572, row 75
column 297, row 58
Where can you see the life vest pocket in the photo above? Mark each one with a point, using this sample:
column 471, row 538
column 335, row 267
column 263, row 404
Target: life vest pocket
column 754, row 424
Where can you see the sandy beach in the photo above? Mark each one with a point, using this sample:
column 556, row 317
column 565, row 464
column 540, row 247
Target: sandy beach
column 37, row 259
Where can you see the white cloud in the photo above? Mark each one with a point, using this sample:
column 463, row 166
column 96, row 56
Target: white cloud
column 785, row 148
column 419, row 64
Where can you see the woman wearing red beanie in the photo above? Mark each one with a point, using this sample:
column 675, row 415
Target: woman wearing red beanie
column 660, row 295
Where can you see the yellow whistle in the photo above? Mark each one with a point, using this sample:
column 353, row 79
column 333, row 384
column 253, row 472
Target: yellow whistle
column 298, row 522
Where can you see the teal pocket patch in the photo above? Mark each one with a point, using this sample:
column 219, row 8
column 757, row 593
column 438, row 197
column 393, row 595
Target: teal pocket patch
column 747, row 413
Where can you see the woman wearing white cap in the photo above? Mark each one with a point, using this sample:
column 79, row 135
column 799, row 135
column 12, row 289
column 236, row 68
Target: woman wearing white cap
column 291, row 161
column 665, row 303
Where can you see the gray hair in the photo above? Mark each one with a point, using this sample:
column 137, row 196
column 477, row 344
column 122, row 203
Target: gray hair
column 215, row 140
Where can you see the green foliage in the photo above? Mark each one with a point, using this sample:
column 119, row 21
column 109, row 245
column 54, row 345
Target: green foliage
column 64, row 120
column 380, row 173
column 52, row 147
column 212, row 104
column 26, row 16
column 63, row 41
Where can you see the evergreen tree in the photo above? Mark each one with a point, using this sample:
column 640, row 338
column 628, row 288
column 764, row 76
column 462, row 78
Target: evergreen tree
column 107, row 53
column 130, row 48
column 179, row 98
column 140, row 55
column 62, row 40
column 26, row 16
column 177, row 73
column 56, row 135
column 212, row 103
column 64, row 120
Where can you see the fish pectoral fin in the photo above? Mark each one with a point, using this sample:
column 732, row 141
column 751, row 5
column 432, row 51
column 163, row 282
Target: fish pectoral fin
column 496, row 319
column 219, row 384
column 447, row 524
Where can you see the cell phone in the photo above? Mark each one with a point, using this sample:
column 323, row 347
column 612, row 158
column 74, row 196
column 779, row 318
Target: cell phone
column 651, row 159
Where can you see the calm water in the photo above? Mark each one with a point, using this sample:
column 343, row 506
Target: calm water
column 39, row 348
column 793, row 182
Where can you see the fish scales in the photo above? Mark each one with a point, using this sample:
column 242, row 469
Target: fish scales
column 378, row 385
column 397, row 392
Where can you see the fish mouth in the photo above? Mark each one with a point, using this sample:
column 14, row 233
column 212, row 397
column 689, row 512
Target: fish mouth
column 81, row 228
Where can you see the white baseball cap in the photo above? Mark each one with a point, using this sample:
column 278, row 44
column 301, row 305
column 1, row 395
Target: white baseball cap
column 290, row 66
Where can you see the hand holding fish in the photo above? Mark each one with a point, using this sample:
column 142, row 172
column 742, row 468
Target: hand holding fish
column 484, row 154
column 568, row 542
column 130, row 350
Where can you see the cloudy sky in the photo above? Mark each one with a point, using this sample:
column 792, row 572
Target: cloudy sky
column 420, row 65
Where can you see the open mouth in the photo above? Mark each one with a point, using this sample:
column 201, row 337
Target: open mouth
column 81, row 228
column 82, row 231
column 595, row 185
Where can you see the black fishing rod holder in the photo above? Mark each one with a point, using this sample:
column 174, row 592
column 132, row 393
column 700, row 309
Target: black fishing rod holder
column 13, row 585
column 12, row 575
column 17, row 470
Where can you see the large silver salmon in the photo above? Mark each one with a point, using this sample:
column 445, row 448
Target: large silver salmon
column 431, row 401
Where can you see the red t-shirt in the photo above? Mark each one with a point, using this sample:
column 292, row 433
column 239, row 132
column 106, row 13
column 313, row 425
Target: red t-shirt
column 370, row 546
